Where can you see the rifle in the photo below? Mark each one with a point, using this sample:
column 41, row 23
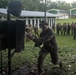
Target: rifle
column 34, row 39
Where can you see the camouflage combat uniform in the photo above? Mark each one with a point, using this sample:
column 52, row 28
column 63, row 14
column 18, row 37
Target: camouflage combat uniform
column 47, row 38
column 36, row 31
column 74, row 34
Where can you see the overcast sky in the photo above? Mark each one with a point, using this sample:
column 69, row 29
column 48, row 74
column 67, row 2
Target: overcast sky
column 68, row 1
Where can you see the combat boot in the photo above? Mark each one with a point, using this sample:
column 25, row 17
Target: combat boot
column 60, row 64
column 41, row 72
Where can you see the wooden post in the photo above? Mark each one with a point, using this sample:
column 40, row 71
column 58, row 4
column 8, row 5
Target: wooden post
column 9, row 50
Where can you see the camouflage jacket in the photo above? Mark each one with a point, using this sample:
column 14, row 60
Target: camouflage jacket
column 47, row 37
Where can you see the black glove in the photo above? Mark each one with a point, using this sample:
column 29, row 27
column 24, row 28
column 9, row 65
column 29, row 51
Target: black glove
column 38, row 42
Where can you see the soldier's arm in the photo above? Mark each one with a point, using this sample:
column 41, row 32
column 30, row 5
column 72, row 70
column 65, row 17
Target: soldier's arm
column 49, row 36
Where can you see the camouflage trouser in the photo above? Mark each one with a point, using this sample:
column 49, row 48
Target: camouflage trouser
column 42, row 54
column 74, row 36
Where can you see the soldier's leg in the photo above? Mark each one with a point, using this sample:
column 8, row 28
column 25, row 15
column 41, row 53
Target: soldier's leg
column 55, row 58
column 58, row 31
column 61, row 32
column 75, row 36
column 42, row 55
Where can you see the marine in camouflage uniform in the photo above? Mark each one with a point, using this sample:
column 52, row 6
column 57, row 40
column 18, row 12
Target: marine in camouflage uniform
column 36, row 31
column 53, row 27
column 47, row 38
column 61, row 29
column 74, row 35
column 64, row 28
column 28, row 30
column 72, row 28
column 58, row 28
column 68, row 29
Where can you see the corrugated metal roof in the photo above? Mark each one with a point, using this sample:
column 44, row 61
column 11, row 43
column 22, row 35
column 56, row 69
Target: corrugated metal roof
column 25, row 13
column 36, row 14
column 2, row 10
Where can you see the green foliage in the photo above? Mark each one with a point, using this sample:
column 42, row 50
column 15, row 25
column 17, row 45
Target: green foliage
column 32, row 5
column 3, row 3
column 62, row 5
column 74, row 4
column 53, row 5
column 37, row 5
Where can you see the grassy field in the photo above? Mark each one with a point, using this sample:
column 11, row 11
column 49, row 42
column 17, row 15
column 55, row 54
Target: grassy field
column 70, row 20
column 67, row 53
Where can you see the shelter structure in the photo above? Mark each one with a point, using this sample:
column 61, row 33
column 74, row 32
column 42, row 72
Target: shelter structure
column 73, row 12
column 62, row 14
column 32, row 17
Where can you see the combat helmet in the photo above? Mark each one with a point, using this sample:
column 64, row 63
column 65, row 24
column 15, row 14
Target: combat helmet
column 43, row 22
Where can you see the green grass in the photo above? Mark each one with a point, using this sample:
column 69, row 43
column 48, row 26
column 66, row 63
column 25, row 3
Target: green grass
column 70, row 20
column 67, row 53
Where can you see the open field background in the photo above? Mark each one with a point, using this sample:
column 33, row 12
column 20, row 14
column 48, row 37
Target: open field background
column 70, row 20
column 26, row 60
column 67, row 53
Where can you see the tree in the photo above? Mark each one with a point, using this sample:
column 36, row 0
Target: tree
column 74, row 4
column 63, row 5
column 31, row 4
column 4, row 3
column 36, row 5
column 53, row 5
